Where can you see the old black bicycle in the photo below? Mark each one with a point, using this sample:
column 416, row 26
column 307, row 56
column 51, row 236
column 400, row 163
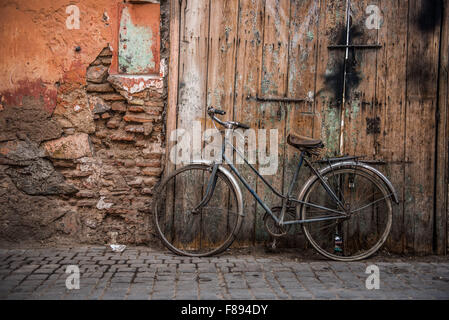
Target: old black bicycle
column 344, row 209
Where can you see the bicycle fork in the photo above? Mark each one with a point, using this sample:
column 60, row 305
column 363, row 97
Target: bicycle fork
column 209, row 189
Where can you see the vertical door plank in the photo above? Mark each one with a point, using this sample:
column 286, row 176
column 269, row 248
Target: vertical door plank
column 193, row 62
column 360, row 107
column 303, row 47
column 391, row 96
column 329, row 80
column 192, row 98
column 249, row 53
column 272, row 115
column 360, row 103
column 173, row 73
column 441, row 193
column 422, row 71
column 222, row 47
column 221, row 71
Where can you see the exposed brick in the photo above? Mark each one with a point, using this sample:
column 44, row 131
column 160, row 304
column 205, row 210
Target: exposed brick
column 141, row 143
column 149, row 182
column 151, row 164
column 118, row 106
column 155, row 95
column 63, row 163
column 120, row 210
column 134, row 129
column 129, row 163
column 158, row 104
column 152, row 155
column 99, row 87
column 70, row 147
column 78, row 174
column 87, row 203
column 113, row 123
column 98, row 105
column 112, row 97
column 127, row 154
column 105, row 115
column 106, row 60
column 86, row 194
column 106, row 52
column 154, row 172
column 97, row 74
column 136, row 109
column 138, row 102
column 122, row 137
column 147, row 191
column 136, row 182
column 101, row 134
column 141, row 118
column 96, row 62
column 154, row 111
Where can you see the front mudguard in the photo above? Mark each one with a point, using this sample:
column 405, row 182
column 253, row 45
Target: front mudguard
column 231, row 178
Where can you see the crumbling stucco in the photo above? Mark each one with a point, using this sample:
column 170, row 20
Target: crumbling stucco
column 80, row 146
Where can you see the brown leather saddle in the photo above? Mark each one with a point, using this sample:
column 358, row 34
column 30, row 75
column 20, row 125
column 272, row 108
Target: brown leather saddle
column 304, row 143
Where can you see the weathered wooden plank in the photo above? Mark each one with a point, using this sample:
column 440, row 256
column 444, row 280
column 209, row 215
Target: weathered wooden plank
column 303, row 51
column 173, row 74
column 274, row 80
column 272, row 115
column 193, row 62
column 391, row 96
column 249, row 53
column 442, row 192
column 360, row 106
column 171, row 120
column 300, row 123
column 192, row 100
column 303, row 47
column 361, row 86
column 422, row 72
column 222, row 47
column 221, row 68
column 329, row 80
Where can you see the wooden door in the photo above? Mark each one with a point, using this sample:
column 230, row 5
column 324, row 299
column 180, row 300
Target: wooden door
column 248, row 56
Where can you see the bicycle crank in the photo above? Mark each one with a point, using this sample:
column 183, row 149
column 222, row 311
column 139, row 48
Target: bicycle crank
column 272, row 227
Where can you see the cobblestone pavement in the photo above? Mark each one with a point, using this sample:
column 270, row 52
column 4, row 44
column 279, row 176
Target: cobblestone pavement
column 142, row 273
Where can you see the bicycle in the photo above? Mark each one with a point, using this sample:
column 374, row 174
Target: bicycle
column 344, row 209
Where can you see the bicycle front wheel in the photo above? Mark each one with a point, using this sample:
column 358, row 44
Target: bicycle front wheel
column 191, row 231
column 363, row 232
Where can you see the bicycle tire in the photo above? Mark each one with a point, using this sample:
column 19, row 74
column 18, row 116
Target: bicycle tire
column 384, row 212
column 182, row 240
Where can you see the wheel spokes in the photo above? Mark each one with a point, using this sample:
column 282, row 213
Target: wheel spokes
column 357, row 234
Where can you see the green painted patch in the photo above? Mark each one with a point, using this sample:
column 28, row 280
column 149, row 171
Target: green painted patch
column 134, row 54
column 310, row 36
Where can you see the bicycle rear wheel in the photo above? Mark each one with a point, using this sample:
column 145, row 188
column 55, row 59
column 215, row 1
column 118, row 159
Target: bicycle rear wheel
column 203, row 232
column 360, row 235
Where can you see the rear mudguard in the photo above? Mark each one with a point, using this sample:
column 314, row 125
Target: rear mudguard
column 359, row 165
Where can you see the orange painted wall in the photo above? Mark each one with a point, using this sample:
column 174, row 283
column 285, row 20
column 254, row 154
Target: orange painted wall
column 38, row 50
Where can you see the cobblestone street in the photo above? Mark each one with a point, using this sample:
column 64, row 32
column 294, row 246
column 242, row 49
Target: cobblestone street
column 142, row 273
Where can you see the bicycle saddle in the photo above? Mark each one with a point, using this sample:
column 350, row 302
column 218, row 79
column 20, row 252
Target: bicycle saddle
column 302, row 142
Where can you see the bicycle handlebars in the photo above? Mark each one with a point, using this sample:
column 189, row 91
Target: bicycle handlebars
column 228, row 124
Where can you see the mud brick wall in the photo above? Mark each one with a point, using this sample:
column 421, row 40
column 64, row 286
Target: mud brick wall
column 79, row 160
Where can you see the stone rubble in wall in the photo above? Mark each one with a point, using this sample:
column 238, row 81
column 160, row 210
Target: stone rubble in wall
column 116, row 166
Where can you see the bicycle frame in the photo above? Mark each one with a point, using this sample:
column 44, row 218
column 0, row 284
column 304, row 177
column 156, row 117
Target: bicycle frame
column 286, row 198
